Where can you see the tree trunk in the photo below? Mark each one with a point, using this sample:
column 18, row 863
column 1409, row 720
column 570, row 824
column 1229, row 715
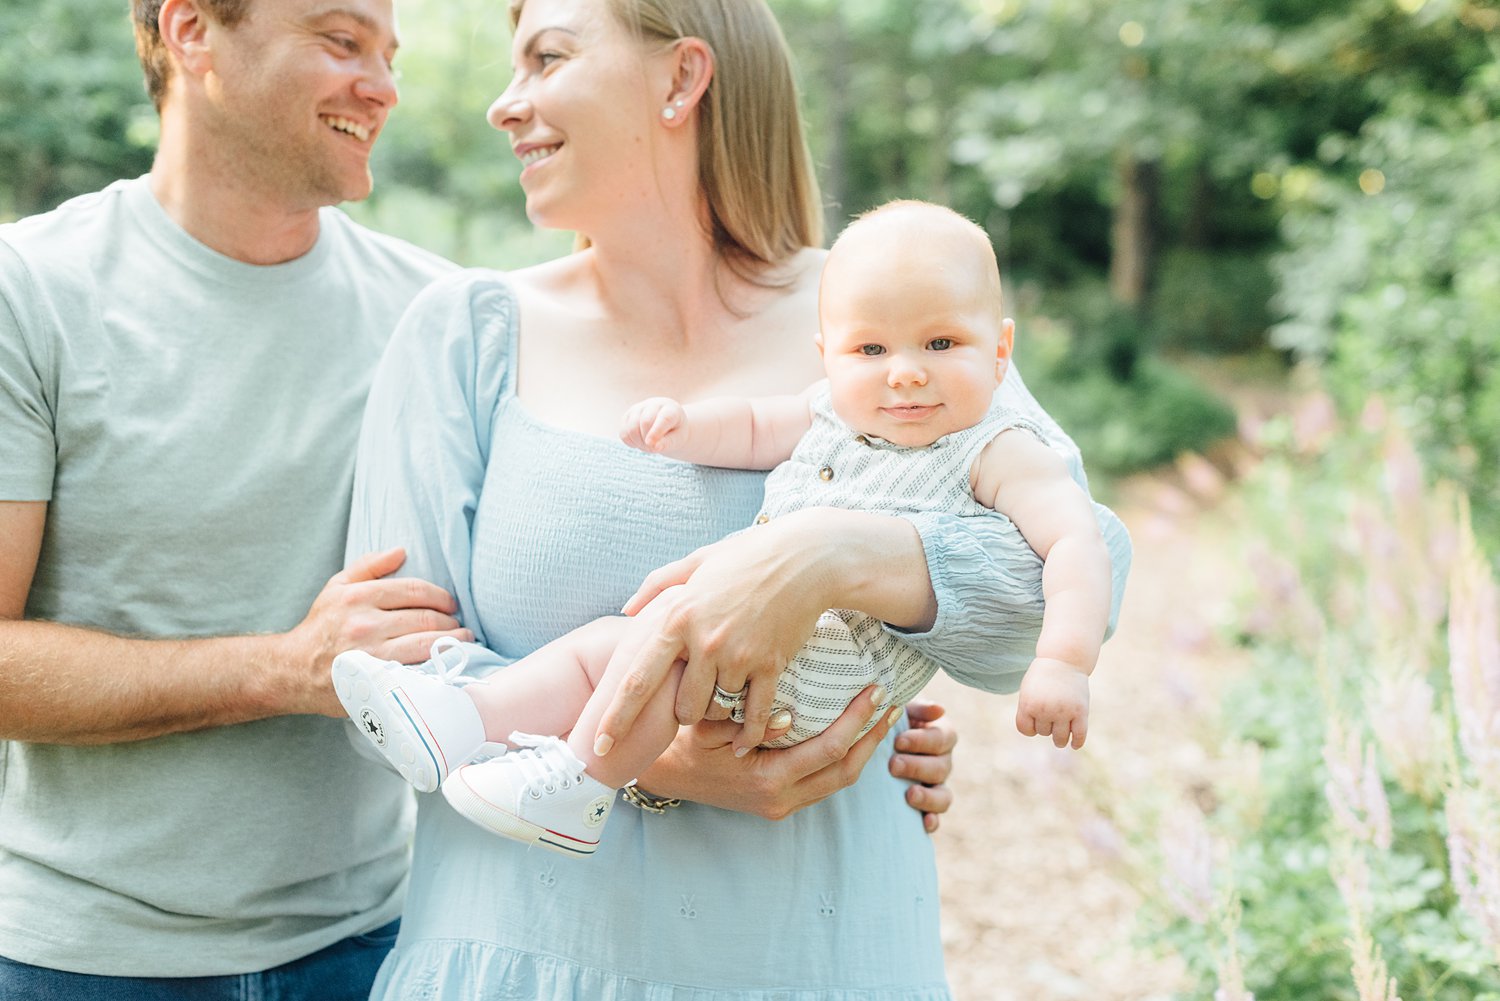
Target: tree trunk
column 1195, row 231
column 1132, row 237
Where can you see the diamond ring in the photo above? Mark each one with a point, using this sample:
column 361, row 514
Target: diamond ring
column 730, row 700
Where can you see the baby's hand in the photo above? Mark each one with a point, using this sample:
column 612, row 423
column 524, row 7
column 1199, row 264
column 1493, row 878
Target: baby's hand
column 1054, row 702
column 649, row 424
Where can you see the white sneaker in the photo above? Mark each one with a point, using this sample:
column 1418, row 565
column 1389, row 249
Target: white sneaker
column 415, row 718
column 539, row 795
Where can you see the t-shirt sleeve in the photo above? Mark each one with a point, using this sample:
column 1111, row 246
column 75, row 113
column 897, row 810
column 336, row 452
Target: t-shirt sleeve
column 988, row 582
column 425, row 441
column 28, row 444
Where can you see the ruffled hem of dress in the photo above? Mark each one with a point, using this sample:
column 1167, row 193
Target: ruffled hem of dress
column 463, row 970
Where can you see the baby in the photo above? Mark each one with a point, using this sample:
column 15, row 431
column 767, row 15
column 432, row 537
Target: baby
column 914, row 344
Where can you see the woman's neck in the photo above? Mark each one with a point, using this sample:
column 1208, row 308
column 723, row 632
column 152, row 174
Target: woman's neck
column 661, row 275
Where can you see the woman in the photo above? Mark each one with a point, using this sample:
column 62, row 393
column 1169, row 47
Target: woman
column 665, row 133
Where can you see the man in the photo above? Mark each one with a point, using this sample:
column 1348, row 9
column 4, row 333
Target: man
column 183, row 361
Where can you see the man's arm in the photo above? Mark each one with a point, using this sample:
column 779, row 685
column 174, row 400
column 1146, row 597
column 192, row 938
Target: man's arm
column 733, row 432
column 71, row 685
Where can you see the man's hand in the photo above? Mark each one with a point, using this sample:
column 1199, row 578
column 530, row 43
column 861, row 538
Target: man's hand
column 924, row 756
column 360, row 608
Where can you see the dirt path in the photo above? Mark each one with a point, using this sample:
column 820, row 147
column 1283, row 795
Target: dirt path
column 1035, row 906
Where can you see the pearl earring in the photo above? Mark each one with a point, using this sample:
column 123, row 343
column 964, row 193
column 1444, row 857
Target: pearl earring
column 670, row 111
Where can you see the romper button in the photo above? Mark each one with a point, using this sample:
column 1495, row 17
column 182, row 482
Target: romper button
column 826, row 473
column 862, row 439
column 761, row 519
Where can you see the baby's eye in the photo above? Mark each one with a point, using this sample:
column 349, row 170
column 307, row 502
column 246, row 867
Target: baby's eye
column 940, row 343
column 871, row 349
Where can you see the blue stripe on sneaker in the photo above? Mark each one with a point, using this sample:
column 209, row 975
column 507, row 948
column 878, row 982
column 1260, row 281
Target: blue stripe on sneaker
column 567, row 847
column 417, row 732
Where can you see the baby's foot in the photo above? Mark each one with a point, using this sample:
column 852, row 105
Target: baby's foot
column 416, row 718
column 539, row 794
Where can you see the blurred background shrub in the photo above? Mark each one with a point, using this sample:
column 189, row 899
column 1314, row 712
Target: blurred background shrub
column 1317, row 181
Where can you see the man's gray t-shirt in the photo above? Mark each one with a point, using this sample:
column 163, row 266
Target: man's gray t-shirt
column 191, row 421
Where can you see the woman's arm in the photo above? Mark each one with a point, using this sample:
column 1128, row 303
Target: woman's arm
column 701, row 765
column 965, row 592
column 423, row 451
column 794, row 567
column 424, row 442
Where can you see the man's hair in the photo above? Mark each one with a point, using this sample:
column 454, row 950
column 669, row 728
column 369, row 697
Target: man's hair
column 753, row 163
column 145, row 16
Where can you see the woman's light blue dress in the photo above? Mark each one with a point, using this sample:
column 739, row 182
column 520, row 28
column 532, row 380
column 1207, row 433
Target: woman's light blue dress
column 537, row 530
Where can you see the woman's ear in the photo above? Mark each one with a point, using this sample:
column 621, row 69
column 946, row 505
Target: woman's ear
column 184, row 31
column 692, row 71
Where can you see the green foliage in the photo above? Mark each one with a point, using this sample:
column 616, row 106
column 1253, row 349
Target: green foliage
column 1213, row 302
column 1120, row 424
column 1262, row 116
column 73, row 111
column 444, row 178
column 1337, row 849
column 1392, row 274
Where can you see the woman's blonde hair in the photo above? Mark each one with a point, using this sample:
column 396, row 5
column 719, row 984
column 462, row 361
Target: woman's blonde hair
column 753, row 162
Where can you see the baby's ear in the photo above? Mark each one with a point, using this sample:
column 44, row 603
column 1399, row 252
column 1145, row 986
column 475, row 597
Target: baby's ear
column 818, row 340
column 1003, row 349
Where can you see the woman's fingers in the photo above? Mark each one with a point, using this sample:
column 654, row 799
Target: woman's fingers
column 760, row 700
column 695, row 692
column 658, row 580
column 819, row 767
column 650, row 662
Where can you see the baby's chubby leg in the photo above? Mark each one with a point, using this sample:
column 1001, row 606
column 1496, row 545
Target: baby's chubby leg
column 562, row 690
column 546, row 791
column 544, row 692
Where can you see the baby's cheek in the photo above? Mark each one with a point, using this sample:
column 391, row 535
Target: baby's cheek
column 852, row 403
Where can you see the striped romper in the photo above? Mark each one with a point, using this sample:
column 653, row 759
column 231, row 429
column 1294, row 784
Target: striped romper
column 834, row 466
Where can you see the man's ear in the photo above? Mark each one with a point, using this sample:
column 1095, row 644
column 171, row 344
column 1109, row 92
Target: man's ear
column 692, row 70
column 1002, row 351
column 184, row 31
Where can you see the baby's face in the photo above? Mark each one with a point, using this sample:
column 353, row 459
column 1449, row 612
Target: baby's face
column 912, row 337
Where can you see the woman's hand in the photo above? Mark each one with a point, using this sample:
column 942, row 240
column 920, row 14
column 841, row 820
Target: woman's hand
column 702, row 766
column 746, row 605
column 924, row 756
column 736, row 612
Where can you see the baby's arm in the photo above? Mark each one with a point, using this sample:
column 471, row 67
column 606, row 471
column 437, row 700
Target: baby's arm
column 732, row 431
column 1027, row 481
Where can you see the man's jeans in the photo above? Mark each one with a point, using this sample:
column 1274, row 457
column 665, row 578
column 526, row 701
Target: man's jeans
column 342, row 972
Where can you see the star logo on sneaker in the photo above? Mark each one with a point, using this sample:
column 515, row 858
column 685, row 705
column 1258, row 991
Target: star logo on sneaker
column 370, row 724
column 598, row 810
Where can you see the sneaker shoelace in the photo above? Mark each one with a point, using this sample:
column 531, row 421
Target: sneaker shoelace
column 445, row 669
column 546, row 763
column 450, row 671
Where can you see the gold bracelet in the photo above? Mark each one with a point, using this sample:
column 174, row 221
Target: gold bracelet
column 641, row 799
